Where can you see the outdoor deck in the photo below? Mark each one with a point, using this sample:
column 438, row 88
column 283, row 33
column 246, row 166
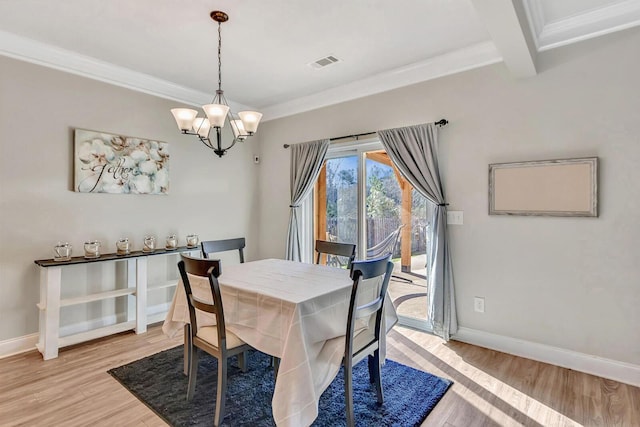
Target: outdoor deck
column 410, row 299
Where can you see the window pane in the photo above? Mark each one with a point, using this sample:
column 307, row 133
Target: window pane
column 342, row 203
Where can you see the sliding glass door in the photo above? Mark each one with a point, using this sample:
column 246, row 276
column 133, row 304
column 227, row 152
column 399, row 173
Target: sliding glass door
column 361, row 198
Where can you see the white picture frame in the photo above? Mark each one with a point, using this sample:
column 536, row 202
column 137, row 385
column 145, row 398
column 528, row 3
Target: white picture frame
column 561, row 187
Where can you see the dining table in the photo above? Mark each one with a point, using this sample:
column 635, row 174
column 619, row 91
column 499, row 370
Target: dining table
column 291, row 310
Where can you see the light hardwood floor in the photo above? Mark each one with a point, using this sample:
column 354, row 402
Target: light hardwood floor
column 490, row 388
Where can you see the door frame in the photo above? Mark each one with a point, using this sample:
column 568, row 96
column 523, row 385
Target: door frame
column 357, row 148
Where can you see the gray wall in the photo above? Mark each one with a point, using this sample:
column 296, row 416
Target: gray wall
column 39, row 107
column 571, row 283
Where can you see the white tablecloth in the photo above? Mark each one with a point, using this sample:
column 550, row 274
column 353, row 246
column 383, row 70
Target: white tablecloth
column 291, row 310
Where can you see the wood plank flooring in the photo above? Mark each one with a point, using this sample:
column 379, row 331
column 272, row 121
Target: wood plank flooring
column 490, row 388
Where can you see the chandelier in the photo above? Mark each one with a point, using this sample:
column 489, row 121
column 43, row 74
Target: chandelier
column 243, row 125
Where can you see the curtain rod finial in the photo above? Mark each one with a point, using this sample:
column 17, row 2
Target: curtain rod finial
column 441, row 122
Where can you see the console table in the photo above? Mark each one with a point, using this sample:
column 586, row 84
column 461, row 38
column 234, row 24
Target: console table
column 51, row 302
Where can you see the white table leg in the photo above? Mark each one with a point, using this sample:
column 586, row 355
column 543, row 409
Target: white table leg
column 141, row 294
column 50, row 279
column 131, row 283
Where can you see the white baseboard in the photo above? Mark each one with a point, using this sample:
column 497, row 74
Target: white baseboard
column 18, row 345
column 607, row 368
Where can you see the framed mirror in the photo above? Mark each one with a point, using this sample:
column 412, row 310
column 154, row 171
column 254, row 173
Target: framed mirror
column 565, row 187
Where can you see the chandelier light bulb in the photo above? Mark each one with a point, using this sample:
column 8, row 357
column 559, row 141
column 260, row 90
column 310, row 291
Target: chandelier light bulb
column 250, row 120
column 216, row 113
column 238, row 129
column 184, row 117
column 201, row 126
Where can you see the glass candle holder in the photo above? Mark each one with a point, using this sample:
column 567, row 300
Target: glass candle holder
column 192, row 240
column 149, row 244
column 62, row 252
column 122, row 246
column 92, row 249
column 172, row 242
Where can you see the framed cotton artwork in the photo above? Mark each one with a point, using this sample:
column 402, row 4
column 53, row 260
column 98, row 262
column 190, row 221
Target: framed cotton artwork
column 117, row 164
column 564, row 187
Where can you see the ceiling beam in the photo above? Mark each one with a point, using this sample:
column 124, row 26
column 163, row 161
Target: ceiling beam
column 508, row 26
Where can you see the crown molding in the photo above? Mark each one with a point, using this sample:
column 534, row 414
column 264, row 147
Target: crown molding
column 590, row 24
column 36, row 52
column 475, row 56
column 29, row 50
column 535, row 15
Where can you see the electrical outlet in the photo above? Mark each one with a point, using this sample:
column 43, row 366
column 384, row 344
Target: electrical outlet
column 478, row 304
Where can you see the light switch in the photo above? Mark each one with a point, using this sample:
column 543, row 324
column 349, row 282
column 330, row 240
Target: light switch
column 455, row 217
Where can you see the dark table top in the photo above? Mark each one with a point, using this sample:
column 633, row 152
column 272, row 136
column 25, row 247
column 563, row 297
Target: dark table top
column 111, row 257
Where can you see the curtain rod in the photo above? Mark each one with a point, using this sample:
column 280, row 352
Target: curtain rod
column 441, row 122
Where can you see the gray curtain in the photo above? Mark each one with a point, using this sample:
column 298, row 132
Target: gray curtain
column 306, row 161
column 414, row 151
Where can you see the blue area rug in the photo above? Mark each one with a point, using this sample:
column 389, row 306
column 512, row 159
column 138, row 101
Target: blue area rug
column 158, row 381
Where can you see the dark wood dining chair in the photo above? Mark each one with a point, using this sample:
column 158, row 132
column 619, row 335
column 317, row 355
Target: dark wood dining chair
column 363, row 342
column 333, row 250
column 215, row 340
column 212, row 246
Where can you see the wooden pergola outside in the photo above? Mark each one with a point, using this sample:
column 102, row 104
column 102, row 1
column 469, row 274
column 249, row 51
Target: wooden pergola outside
column 320, row 203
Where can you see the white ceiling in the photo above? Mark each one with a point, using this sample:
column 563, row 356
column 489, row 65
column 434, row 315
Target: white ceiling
column 168, row 47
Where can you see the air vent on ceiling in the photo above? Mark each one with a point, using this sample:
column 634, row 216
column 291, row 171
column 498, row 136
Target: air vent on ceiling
column 324, row 62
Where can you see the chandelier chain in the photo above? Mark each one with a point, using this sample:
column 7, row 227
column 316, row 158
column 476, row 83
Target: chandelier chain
column 219, row 56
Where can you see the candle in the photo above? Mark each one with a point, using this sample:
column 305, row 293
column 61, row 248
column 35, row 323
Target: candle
column 62, row 252
column 122, row 246
column 92, row 249
column 192, row 240
column 149, row 244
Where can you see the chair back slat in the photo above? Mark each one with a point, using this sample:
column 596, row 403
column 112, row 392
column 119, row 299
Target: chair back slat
column 370, row 268
column 203, row 306
column 200, row 267
column 347, row 250
column 369, row 308
column 212, row 246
